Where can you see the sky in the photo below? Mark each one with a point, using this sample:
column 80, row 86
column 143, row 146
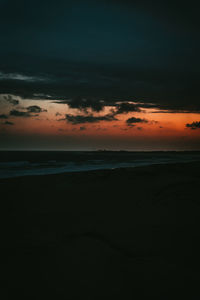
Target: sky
column 89, row 75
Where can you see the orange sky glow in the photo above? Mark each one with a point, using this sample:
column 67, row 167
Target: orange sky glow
column 52, row 122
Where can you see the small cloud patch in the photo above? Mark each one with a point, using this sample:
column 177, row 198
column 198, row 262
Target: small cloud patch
column 18, row 113
column 9, row 123
column 31, row 111
column 132, row 121
column 35, row 109
column 81, row 119
column 3, row 116
column 194, row 125
column 126, row 107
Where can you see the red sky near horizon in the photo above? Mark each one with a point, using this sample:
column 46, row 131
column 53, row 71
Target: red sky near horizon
column 159, row 130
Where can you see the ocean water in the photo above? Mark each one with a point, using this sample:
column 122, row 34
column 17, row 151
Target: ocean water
column 26, row 163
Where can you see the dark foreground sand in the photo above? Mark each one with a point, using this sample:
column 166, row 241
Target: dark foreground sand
column 118, row 234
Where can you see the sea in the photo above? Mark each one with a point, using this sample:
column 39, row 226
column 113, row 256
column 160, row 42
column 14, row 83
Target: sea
column 27, row 163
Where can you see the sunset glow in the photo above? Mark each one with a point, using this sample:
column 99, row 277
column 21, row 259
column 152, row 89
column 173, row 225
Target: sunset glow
column 151, row 126
column 87, row 75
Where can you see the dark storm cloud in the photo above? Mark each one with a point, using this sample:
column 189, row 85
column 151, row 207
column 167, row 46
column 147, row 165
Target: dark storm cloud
column 194, row 125
column 166, row 90
column 132, row 121
column 80, row 119
column 102, row 50
column 3, row 116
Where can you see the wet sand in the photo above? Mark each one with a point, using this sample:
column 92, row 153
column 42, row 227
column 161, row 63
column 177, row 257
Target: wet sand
column 113, row 234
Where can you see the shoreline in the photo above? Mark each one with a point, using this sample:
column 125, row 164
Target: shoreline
column 117, row 169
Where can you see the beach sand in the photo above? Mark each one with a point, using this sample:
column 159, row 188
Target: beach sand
column 115, row 234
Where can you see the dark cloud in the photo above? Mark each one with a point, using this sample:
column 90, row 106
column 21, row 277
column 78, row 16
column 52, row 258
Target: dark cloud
column 142, row 51
column 84, row 104
column 3, row 116
column 9, row 123
column 35, row 109
column 31, row 111
column 176, row 111
column 132, row 121
column 127, row 107
column 98, row 105
column 194, row 125
column 165, row 89
column 18, row 113
column 81, row 119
